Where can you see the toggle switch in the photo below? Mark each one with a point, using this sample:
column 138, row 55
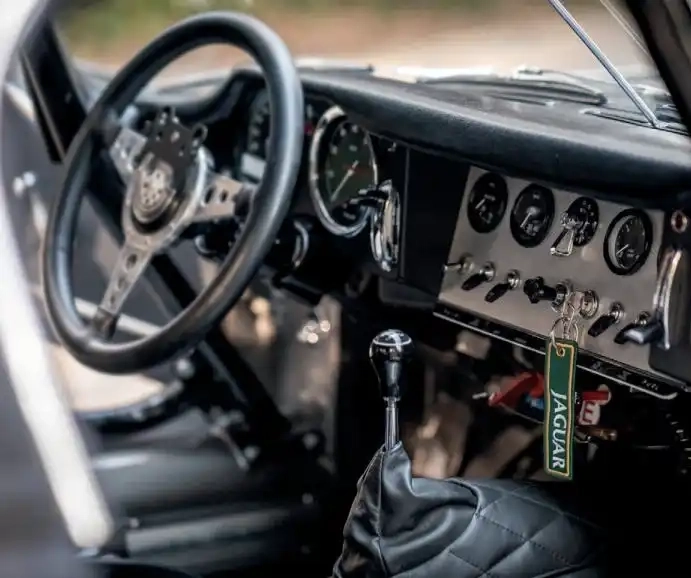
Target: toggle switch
column 513, row 280
column 485, row 275
column 604, row 322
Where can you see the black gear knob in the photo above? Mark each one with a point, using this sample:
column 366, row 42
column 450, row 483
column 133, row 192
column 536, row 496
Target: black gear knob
column 389, row 352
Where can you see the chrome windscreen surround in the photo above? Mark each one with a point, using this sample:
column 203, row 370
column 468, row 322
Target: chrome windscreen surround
column 332, row 116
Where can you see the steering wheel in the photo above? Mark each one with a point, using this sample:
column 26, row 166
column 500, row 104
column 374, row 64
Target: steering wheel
column 170, row 187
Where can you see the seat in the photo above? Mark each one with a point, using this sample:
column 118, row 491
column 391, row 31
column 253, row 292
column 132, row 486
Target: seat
column 416, row 527
column 185, row 500
column 142, row 481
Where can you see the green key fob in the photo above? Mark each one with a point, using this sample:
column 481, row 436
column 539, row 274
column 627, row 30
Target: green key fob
column 560, row 403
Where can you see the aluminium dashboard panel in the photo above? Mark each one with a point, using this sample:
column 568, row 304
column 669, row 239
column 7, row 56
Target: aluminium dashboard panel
column 585, row 268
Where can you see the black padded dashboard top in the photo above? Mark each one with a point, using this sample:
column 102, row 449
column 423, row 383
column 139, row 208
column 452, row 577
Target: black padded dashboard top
column 621, row 161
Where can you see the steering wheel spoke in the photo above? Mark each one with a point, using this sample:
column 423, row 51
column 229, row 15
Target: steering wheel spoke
column 130, row 266
column 125, row 150
column 223, row 198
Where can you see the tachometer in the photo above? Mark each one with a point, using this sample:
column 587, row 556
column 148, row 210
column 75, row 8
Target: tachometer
column 628, row 242
column 342, row 163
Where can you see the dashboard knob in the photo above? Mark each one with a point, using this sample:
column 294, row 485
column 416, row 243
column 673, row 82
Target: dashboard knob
column 537, row 291
column 604, row 322
column 483, row 276
column 651, row 332
column 513, row 279
column 642, row 331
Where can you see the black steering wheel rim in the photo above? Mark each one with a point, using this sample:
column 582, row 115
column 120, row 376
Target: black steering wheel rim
column 269, row 205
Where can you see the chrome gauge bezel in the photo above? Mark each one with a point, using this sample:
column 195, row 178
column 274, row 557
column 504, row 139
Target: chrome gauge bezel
column 330, row 117
column 613, row 232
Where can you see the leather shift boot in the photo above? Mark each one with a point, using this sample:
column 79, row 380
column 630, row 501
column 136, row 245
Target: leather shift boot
column 417, row 527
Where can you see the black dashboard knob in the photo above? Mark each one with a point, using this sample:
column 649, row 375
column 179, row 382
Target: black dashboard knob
column 513, row 280
column 497, row 292
column 537, row 291
column 604, row 322
column 641, row 333
column 483, row 276
column 473, row 281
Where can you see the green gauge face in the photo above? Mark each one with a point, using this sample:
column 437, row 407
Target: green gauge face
column 348, row 164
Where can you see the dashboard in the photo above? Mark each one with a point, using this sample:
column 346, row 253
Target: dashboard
column 492, row 217
column 516, row 255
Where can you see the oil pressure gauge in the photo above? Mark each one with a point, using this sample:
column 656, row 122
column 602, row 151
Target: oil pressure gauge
column 487, row 202
column 628, row 242
column 532, row 215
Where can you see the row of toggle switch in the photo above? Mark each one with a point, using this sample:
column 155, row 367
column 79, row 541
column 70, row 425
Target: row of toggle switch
column 642, row 331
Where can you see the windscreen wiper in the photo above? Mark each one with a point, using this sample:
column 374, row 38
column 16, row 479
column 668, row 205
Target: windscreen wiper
column 530, row 82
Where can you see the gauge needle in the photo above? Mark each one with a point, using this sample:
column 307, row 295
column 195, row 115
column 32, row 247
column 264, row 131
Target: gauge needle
column 345, row 179
column 532, row 212
column 620, row 251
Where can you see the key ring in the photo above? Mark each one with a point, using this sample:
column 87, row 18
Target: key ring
column 569, row 329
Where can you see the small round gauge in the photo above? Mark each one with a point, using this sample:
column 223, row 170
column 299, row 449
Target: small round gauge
column 628, row 242
column 587, row 213
column 342, row 163
column 254, row 157
column 532, row 215
column 259, row 126
column 487, row 202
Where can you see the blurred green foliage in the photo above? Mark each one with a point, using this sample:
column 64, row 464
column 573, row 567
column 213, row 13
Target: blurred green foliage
column 95, row 21
column 98, row 23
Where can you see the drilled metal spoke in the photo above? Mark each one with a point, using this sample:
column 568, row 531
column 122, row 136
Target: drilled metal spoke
column 129, row 268
column 125, row 150
column 221, row 200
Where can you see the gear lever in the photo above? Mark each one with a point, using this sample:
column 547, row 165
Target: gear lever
column 389, row 352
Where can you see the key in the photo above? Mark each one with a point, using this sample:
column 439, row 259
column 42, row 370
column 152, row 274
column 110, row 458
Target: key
column 560, row 403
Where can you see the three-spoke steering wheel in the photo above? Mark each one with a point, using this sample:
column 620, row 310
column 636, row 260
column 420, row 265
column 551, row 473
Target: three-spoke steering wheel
column 170, row 186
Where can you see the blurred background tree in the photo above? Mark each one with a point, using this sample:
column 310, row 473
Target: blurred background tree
column 109, row 31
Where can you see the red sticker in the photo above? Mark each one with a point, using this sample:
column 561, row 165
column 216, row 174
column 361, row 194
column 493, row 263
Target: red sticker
column 590, row 413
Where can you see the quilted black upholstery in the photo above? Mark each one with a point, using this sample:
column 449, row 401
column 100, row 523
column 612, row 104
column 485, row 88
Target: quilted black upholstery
column 416, row 527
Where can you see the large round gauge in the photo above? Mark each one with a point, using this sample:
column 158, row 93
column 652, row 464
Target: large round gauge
column 487, row 202
column 532, row 215
column 342, row 163
column 586, row 212
column 628, row 242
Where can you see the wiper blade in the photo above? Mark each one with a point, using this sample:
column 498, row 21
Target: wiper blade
column 531, row 82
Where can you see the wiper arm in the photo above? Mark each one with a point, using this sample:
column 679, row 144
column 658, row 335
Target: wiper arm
column 532, row 81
